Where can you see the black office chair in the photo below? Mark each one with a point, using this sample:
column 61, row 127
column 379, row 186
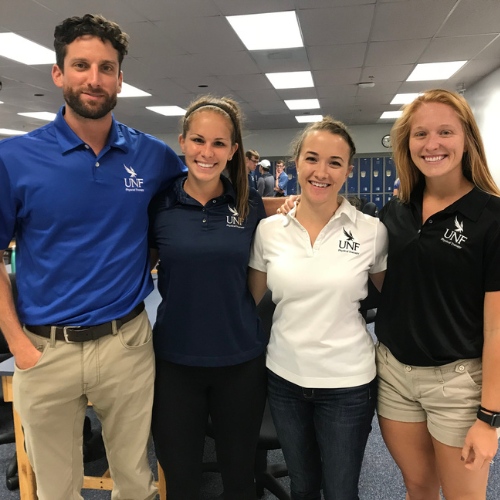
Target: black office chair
column 11, row 477
column 266, row 475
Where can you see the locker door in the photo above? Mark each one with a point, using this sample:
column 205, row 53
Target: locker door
column 378, row 175
column 378, row 199
column 387, row 198
column 365, row 174
column 390, row 175
column 352, row 180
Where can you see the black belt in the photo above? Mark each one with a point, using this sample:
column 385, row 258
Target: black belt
column 84, row 333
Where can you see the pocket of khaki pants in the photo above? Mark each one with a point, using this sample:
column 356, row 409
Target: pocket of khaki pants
column 136, row 333
column 40, row 343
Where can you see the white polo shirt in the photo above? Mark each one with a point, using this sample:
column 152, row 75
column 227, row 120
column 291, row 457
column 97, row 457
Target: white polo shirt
column 318, row 338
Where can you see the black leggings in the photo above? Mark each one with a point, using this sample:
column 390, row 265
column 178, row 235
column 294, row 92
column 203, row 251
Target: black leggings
column 234, row 397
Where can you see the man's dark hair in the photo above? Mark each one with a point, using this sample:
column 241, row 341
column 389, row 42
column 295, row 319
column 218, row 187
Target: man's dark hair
column 89, row 24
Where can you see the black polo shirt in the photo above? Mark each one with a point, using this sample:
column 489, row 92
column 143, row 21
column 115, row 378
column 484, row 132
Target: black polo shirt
column 431, row 310
column 207, row 316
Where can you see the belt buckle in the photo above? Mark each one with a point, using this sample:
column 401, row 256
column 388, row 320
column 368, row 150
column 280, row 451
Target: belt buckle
column 65, row 333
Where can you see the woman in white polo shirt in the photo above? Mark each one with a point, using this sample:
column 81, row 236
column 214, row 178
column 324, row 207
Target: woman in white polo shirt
column 322, row 387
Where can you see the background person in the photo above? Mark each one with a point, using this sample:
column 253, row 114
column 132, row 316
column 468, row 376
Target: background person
column 322, row 386
column 265, row 183
column 281, row 179
column 209, row 344
column 82, row 259
column 439, row 352
column 251, row 161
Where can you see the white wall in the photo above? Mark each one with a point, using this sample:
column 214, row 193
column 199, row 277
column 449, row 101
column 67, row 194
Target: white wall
column 277, row 142
column 484, row 99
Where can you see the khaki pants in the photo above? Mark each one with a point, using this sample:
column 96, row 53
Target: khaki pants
column 116, row 373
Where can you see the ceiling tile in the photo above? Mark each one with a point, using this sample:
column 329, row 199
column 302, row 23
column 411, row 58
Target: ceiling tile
column 275, row 61
column 338, row 25
column 337, row 56
column 411, row 19
column 456, row 48
column 386, row 73
column 395, row 53
column 336, row 77
column 473, row 17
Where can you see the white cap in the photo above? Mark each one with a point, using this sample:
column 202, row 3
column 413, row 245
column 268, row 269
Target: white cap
column 265, row 164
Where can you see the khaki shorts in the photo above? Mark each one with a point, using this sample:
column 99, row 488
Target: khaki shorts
column 447, row 396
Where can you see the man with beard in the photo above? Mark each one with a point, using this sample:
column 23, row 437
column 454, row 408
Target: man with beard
column 76, row 192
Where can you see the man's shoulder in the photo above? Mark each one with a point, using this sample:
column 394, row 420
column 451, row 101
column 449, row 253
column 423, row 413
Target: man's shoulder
column 131, row 135
column 22, row 143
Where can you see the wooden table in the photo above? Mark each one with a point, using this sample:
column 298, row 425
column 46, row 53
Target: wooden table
column 27, row 481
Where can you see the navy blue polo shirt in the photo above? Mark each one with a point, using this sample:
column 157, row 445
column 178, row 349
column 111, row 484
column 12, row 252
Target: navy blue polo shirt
column 431, row 310
column 207, row 316
column 81, row 221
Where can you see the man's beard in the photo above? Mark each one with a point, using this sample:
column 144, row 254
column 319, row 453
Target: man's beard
column 90, row 109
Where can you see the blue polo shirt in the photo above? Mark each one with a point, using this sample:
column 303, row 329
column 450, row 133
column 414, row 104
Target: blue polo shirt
column 283, row 181
column 207, row 316
column 80, row 221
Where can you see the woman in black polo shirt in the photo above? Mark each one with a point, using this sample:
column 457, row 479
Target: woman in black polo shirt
column 438, row 358
column 209, row 344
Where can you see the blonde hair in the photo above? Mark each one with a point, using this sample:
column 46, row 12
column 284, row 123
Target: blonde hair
column 236, row 166
column 474, row 164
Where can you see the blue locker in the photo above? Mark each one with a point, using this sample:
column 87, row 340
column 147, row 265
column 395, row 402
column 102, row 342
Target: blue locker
column 390, row 175
column 378, row 199
column 387, row 198
column 365, row 174
column 352, row 179
column 291, row 171
column 377, row 175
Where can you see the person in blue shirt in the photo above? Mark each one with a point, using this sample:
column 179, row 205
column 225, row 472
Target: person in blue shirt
column 281, row 180
column 251, row 162
column 209, row 343
column 76, row 192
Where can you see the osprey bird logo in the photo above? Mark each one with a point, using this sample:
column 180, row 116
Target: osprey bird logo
column 348, row 235
column 459, row 226
column 234, row 211
column 130, row 170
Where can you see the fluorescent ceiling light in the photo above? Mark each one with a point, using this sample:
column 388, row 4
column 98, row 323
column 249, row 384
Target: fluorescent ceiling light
column 1, row 102
column 435, row 71
column 42, row 115
column 167, row 110
column 309, row 118
column 8, row 131
column 291, row 80
column 303, row 104
column 390, row 115
column 130, row 91
column 275, row 30
column 404, row 98
column 25, row 51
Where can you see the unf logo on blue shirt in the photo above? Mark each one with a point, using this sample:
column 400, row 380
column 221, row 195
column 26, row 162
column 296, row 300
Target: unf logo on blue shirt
column 234, row 219
column 132, row 184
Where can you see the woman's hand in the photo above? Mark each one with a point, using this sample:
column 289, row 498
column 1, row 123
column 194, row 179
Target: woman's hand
column 480, row 447
column 290, row 202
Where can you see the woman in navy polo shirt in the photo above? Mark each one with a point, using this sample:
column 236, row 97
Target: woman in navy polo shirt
column 209, row 344
column 438, row 323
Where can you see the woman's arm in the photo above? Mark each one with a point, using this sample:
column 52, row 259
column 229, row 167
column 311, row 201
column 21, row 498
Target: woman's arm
column 481, row 442
column 257, row 282
column 378, row 280
column 154, row 256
